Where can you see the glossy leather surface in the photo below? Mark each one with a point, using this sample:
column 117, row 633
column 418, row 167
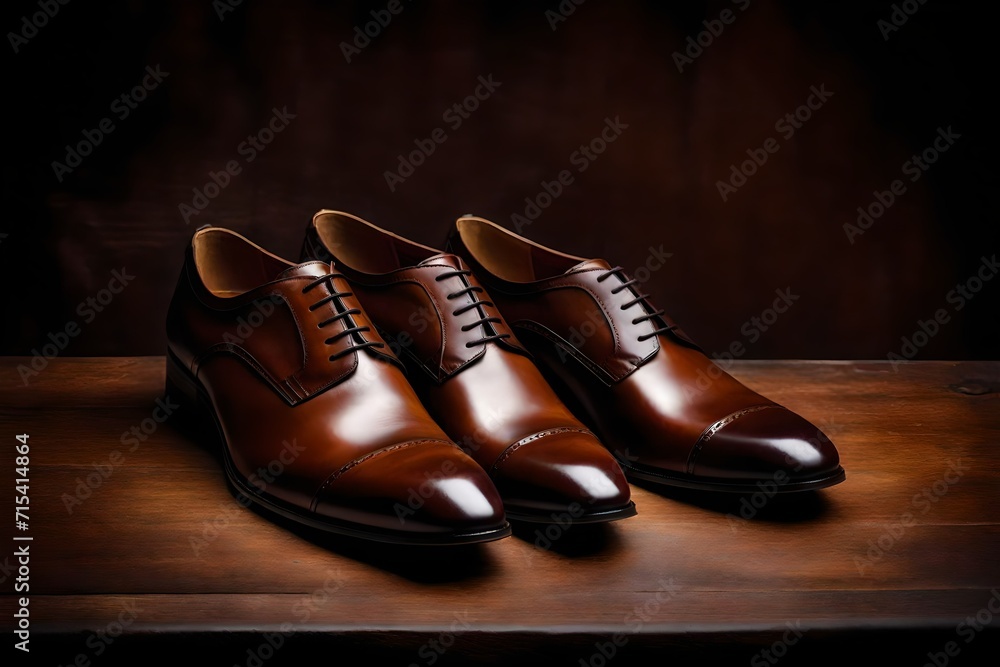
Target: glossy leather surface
column 300, row 383
column 668, row 412
column 472, row 372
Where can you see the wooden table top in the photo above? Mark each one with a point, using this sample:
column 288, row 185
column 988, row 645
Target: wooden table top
column 138, row 535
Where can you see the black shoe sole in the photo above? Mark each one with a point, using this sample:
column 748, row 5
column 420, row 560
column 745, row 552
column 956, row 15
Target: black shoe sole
column 189, row 393
column 560, row 516
column 680, row 480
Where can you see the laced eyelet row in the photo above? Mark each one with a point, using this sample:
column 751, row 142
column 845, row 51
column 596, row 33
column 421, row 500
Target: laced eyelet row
column 640, row 298
column 473, row 291
column 334, row 294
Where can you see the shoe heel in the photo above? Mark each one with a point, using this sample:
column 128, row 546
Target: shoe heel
column 183, row 390
column 195, row 417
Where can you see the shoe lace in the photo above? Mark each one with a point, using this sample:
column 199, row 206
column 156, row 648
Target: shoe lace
column 342, row 313
column 473, row 291
column 640, row 298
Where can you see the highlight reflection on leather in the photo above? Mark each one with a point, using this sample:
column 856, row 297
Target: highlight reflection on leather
column 473, row 374
column 313, row 375
column 636, row 378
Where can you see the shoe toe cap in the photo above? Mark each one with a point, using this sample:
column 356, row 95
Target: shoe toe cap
column 427, row 487
column 560, row 471
column 768, row 443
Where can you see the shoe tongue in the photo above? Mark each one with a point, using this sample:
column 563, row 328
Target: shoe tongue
column 589, row 265
column 306, row 269
column 443, row 259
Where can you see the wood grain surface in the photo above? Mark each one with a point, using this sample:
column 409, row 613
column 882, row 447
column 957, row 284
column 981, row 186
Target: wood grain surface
column 901, row 553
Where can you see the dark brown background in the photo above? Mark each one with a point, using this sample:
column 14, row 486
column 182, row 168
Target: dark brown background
column 655, row 185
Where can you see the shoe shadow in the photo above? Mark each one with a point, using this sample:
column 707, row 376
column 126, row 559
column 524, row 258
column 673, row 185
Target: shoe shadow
column 575, row 541
column 422, row 564
column 796, row 507
column 427, row 564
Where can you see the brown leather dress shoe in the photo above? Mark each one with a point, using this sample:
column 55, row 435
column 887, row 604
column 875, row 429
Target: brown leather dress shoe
column 317, row 420
column 632, row 375
column 473, row 375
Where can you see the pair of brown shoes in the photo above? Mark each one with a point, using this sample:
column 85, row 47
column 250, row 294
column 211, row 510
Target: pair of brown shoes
column 341, row 385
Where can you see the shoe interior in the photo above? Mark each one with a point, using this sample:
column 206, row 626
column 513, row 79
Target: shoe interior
column 230, row 264
column 366, row 248
column 511, row 257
